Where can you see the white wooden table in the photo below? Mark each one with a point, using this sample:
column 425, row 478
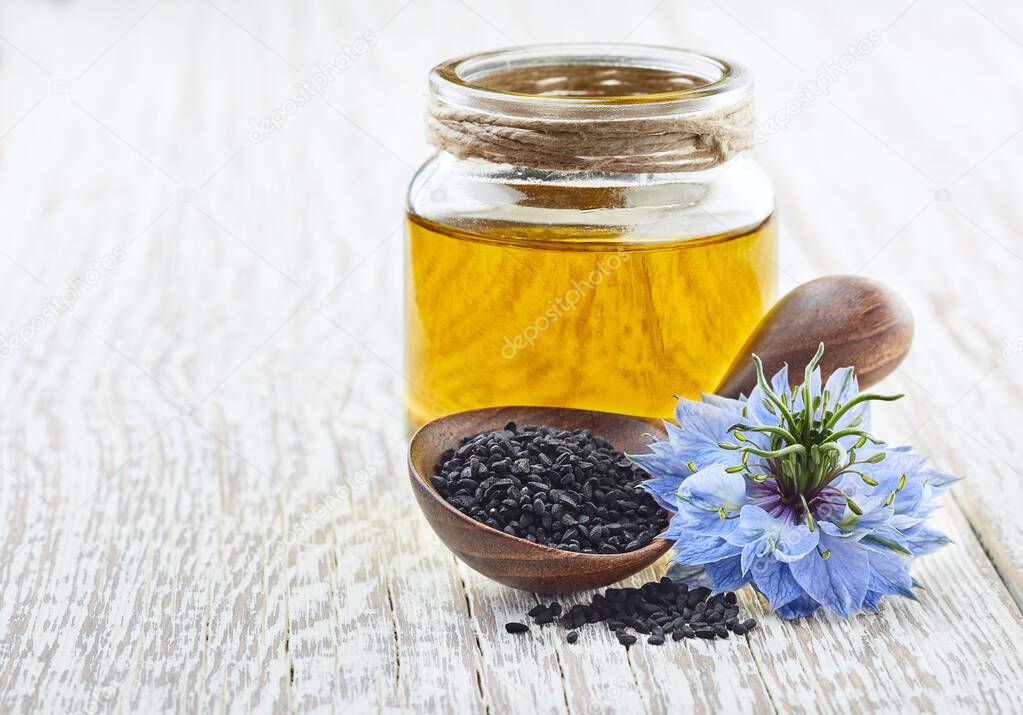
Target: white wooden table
column 202, row 488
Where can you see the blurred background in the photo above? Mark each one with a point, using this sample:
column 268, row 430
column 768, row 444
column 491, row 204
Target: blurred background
column 260, row 152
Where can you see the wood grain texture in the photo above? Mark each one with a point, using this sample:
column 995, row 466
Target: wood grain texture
column 201, row 458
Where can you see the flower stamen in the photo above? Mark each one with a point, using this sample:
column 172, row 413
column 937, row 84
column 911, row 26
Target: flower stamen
column 804, row 452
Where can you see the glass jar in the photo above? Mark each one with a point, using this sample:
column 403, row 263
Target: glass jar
column 592, row 232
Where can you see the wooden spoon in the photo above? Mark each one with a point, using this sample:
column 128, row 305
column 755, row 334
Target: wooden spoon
column 508, row 559
column 861, row 322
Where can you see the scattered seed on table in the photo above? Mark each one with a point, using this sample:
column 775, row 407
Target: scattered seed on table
column 515, row 627
column 655, row 609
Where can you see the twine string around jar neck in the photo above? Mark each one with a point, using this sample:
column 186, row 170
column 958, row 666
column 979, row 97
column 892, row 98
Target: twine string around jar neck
column 614, row 119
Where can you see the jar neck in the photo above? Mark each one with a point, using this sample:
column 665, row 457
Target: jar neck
column 512, row 174
column 629, row 109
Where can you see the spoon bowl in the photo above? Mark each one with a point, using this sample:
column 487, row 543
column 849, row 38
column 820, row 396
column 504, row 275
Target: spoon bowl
column 508, row 559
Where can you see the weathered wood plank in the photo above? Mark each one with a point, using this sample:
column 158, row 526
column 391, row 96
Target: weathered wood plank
column 925, row 656
column 194, row 409
column 698, row 676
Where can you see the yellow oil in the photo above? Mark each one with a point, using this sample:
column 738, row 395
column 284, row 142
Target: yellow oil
column 585, row 318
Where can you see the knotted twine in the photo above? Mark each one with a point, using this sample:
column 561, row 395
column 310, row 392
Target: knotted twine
column 619, row 144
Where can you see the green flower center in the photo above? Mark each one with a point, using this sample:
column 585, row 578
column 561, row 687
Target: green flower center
column 805, row 455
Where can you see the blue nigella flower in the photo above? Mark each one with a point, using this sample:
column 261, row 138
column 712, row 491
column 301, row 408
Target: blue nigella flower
column 787, row 490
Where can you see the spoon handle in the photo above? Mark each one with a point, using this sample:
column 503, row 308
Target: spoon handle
column 861, row 322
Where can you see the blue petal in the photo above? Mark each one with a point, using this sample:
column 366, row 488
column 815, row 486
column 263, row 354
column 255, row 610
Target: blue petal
column 692, row 576
column 725, row 403
column 802, row 606
column 877, row 521
column 758, row 412
column 774, row 579
column 926, row 541
column 761, row 534
column 829, row 529
column 842, row 386
column 662, row 460
column 695, row 549
column 889, row 471
column 661, row 488
column 888, row 539
column 839, row 582
column 753, row 521
column 889, row 574
column 940, row 480
column 712, row 489
column 751, row 552
column 726, row 575
column 872, row 600
column 701, row 426
column 689, row 520
column 780, row 380
column 678, row 527
column 795, row 542
column 705, row 418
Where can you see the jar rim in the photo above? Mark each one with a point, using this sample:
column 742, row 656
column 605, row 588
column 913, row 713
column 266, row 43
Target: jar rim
column 457, row 82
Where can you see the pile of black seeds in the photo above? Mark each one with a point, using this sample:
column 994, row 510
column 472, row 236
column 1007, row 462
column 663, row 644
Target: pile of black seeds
column 569, row 490
column 658, row 610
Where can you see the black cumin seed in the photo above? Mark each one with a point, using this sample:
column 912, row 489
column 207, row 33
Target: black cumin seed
column 572, row 636
column 536, row 482
column 515, row 627
column 658, row 610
